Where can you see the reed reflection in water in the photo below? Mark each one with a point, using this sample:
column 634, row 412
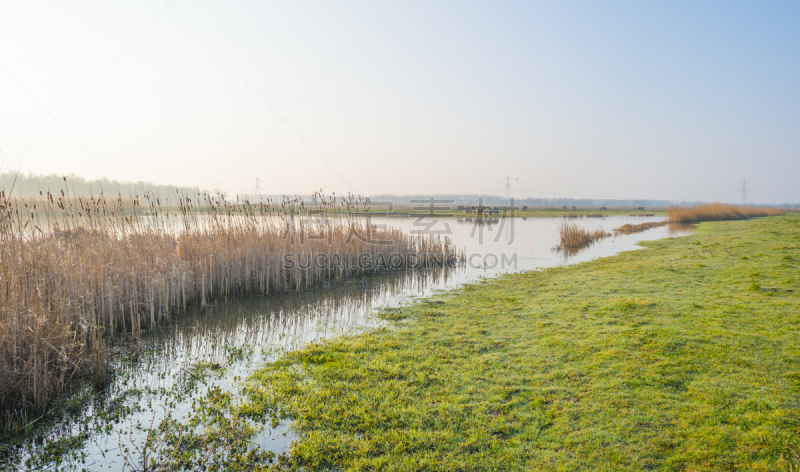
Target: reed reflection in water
column 237, row 335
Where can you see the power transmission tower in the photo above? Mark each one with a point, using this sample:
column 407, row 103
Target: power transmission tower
column 258, row 187
column 744, row 192
column 508, row 190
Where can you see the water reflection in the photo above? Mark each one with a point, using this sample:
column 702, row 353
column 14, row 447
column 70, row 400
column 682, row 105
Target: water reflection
column 680, row 229
column 568, row 252
column 479, row 220
column 236, row 335
column 283, row 323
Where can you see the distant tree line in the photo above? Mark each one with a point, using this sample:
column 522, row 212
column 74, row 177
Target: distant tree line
column 31, row 184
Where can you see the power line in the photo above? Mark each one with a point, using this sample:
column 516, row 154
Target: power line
column 744, row 191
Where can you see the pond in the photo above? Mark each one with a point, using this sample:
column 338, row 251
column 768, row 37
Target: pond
column 222, row 345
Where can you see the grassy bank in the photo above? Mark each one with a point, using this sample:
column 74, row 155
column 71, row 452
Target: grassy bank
column 683, row 356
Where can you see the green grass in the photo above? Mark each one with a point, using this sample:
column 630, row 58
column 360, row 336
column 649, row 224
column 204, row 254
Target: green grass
column 684, row 356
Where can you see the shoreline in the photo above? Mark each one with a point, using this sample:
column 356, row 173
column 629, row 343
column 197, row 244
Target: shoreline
column 585, row 366
column 458, row 316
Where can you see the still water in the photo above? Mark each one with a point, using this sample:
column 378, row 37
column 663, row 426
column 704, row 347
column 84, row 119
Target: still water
column 235, row 336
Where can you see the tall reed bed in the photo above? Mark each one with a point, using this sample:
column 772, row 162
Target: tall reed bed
column 75, row 271
column 717, row 212
column 679, row 217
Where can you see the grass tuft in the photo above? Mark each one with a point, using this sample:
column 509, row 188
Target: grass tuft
column 573, row 238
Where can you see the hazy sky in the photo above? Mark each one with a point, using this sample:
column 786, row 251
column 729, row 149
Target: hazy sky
column 671, row 99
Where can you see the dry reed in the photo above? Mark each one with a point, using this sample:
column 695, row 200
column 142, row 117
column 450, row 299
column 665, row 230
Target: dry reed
column 630, row 229
column 679, row 217
column 717, row 212
column 76, row 271
column 573, row 238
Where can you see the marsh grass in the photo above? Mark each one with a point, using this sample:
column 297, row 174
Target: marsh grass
column 717, row 212
column 631, row 229
column 680, row 218
column 77, row 271
column 573, row 238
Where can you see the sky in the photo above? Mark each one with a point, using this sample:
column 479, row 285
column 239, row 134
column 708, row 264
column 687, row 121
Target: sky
column 678, row 100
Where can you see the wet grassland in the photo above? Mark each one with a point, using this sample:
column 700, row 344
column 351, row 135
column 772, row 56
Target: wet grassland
column 682, row 356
